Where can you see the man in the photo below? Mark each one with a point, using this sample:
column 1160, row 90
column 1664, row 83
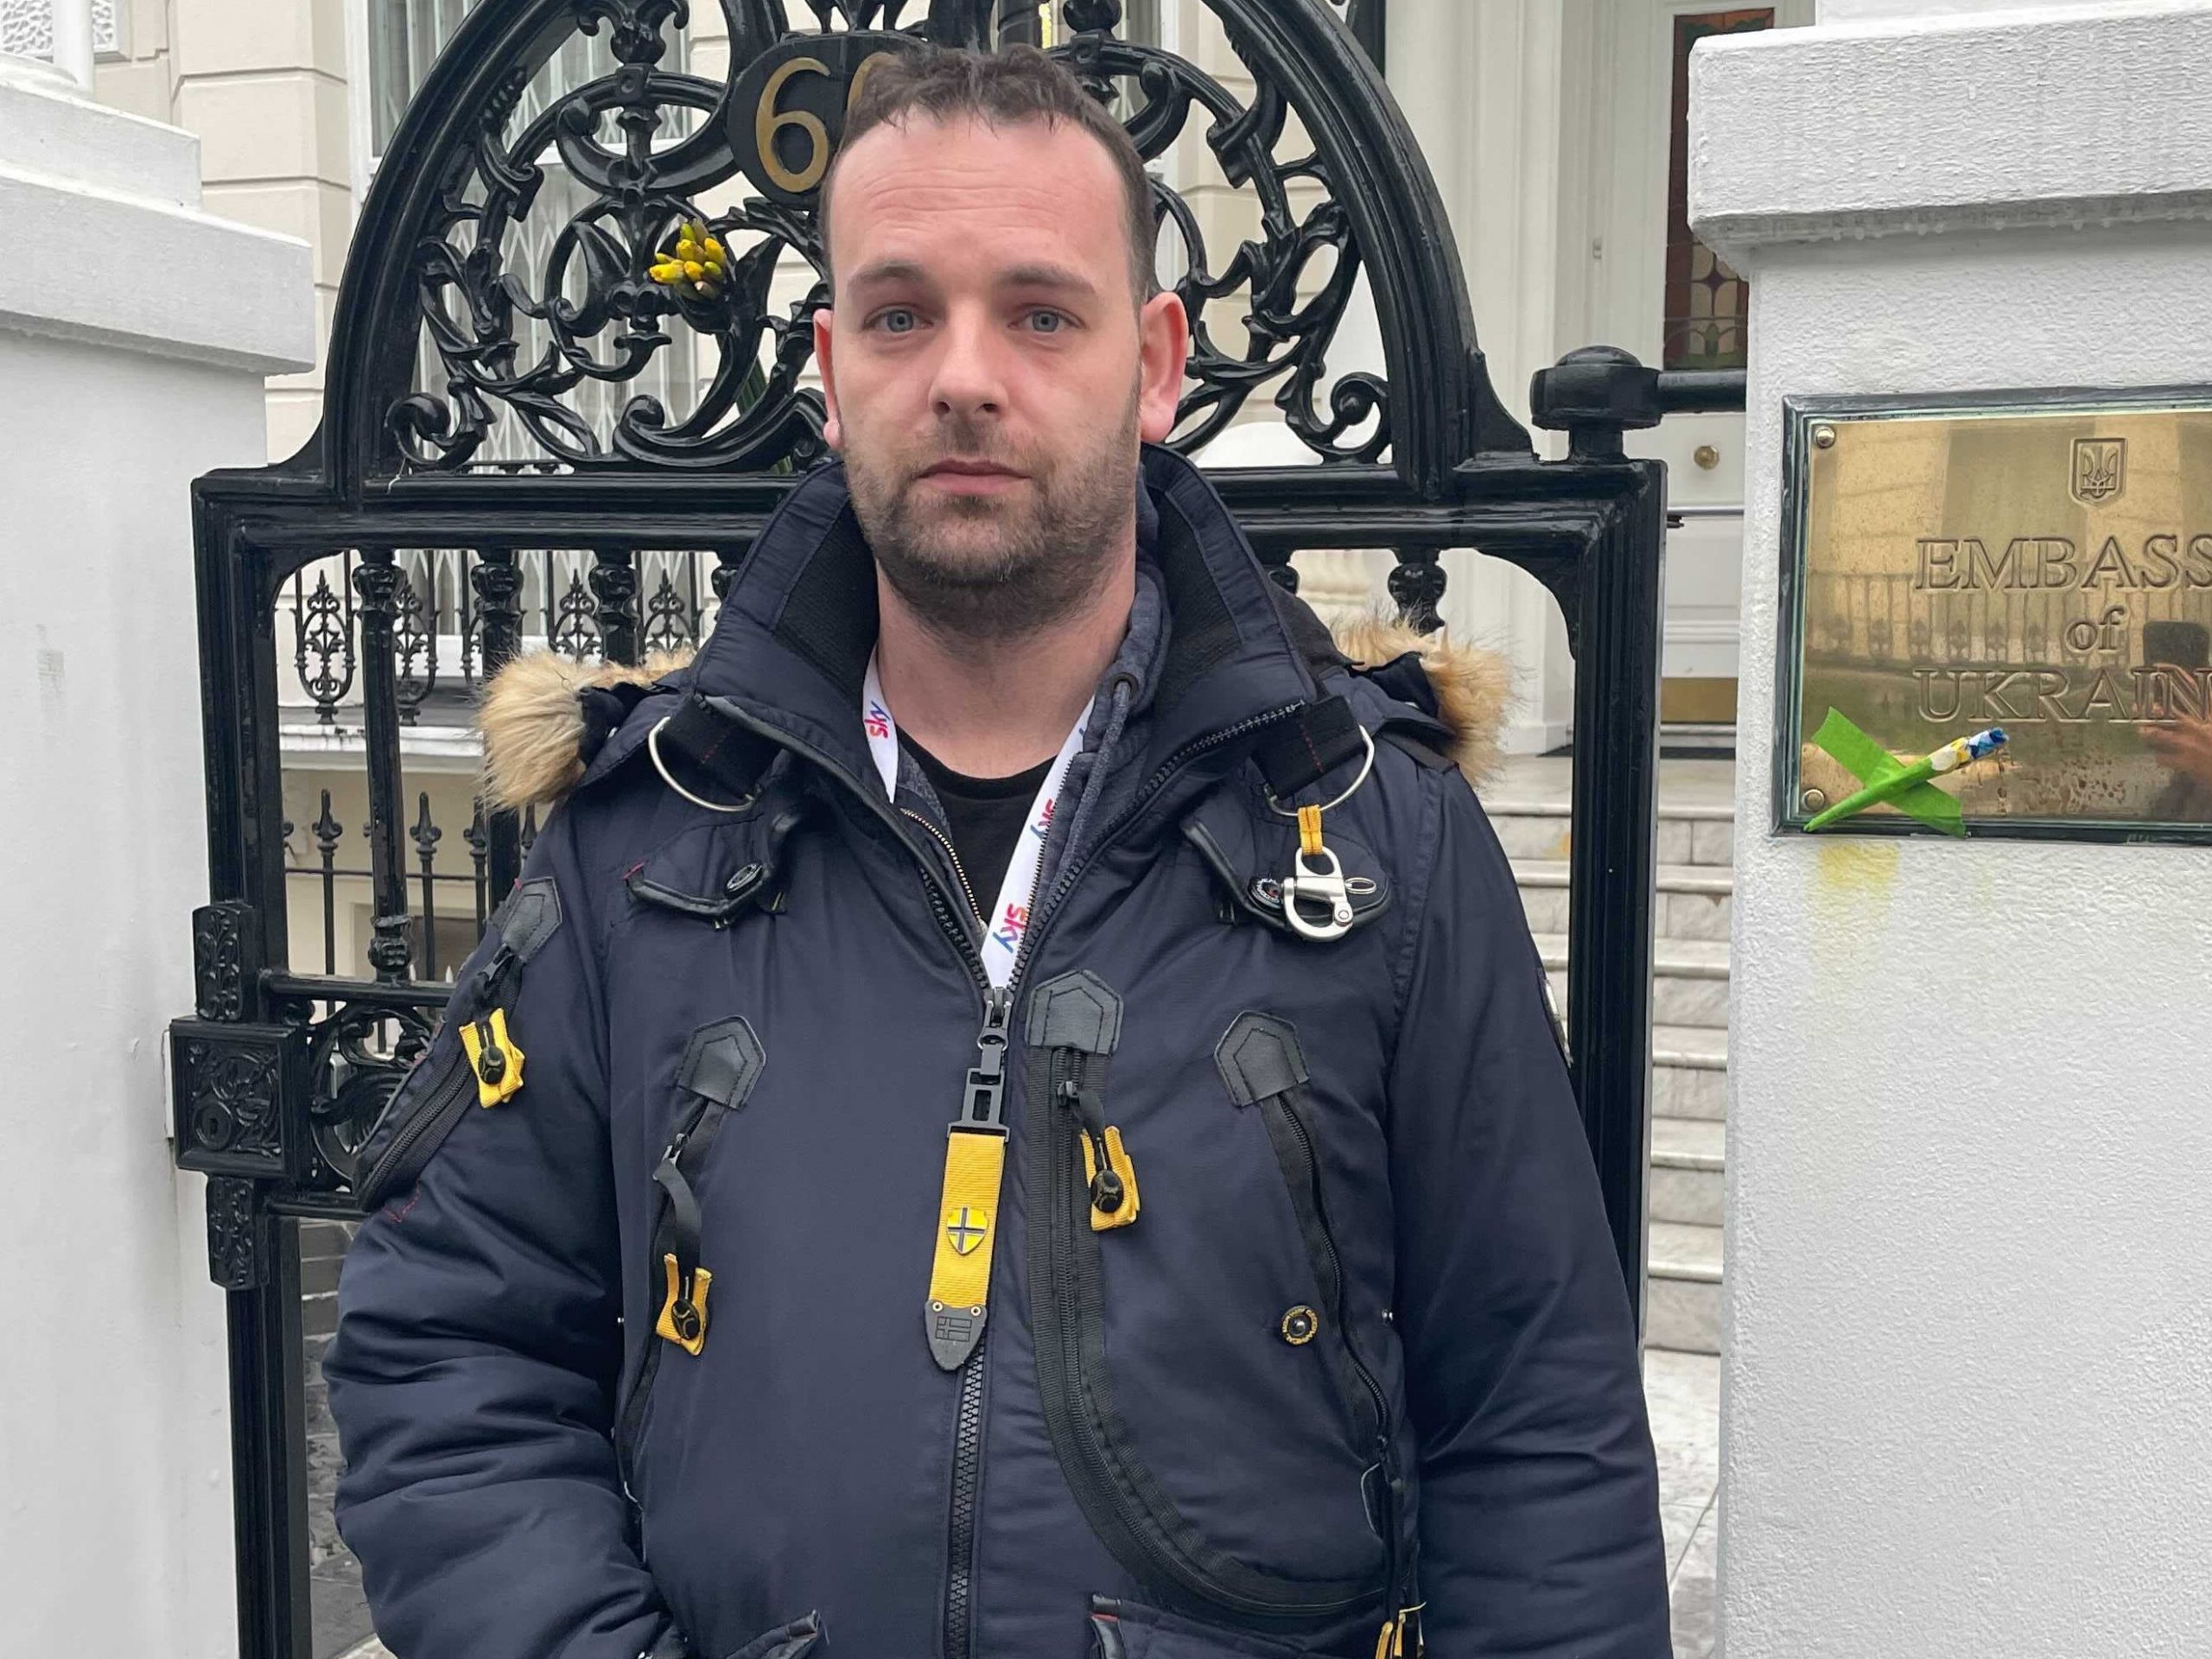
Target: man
column 1061, row 1198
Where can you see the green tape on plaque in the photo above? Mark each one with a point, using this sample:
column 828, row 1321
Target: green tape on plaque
column 1897, row 783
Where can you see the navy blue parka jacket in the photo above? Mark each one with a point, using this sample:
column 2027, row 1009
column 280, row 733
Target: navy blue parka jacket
column 637, row 1359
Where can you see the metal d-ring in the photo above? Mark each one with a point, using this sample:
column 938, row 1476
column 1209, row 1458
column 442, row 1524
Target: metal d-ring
column 1365, row 766
column 652, row 748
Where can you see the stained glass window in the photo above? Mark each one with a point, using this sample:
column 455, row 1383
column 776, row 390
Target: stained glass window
column 1708, row 305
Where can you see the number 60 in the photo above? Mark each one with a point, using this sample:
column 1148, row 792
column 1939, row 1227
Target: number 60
column 768, row 122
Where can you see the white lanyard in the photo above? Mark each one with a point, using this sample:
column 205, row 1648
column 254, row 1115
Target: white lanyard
column 1008, row 919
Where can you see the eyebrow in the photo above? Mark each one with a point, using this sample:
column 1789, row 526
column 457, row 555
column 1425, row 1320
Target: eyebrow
column 1058, row 277
column 1051, row 277
column 883, row 271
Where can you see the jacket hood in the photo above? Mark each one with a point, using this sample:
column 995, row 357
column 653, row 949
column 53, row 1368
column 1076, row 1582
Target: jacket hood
column 797, row 613
column 536, row 734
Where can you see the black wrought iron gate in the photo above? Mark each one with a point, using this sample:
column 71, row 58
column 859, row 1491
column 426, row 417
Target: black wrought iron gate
column 523, row 429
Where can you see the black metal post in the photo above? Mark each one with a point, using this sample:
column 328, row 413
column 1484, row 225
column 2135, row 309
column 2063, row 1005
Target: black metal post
column 378, row 581
column 1610, row 868
column 329, row 832
column 614, row 586
column 427, row 836
column 498, row 581
column 269, row 1475
column 1595, row 395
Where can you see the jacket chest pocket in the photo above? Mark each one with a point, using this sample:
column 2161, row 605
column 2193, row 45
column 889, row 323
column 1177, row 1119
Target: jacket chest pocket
column 1264, row 1070
column 1216, row 1426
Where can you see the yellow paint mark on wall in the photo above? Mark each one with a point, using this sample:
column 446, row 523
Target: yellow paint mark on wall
column 1854, row 884
column 1850, row 873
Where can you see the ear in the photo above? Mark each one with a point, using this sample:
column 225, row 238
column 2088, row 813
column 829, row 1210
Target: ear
column 1163, row 344
column 833, row 432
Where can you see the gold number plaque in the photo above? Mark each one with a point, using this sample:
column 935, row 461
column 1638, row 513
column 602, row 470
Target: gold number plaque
column 787, row 112
column 2039, row 561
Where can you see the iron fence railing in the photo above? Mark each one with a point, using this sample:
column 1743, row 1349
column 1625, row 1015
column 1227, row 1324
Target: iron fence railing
column 562, row 603
column 472, row 898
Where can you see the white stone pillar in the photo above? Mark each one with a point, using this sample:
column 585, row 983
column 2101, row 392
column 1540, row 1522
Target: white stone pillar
column 73, row 41
column 1968, row 1387
column 134, row 334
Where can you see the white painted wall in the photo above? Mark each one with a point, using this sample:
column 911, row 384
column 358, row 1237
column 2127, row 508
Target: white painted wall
column 1967, row 1395
column 115, row 1519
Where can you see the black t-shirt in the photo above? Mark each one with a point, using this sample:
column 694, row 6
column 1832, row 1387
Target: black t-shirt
column 985, row 817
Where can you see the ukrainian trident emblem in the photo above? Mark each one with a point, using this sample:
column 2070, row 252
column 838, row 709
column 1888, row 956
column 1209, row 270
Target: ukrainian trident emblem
column 2100, row 469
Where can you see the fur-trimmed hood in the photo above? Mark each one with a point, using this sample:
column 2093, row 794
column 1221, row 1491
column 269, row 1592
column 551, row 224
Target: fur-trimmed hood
column 533, row 725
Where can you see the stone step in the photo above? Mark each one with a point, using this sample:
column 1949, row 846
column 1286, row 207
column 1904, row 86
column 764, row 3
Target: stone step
column 1689, row 981
column 1687, row 1177
column 1689, row 1072
column 1693, row 900
column 1682, row 1309
column 1537, row 828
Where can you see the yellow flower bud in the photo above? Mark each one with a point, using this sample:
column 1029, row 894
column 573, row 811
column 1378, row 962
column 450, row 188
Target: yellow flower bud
column 694, row 269
column 666, row 273
column 714, row 248
column 687, row 249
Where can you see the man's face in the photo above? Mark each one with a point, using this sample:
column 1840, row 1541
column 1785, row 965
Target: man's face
column 988, row 368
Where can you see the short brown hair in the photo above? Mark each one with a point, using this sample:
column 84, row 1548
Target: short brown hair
column 999, row 89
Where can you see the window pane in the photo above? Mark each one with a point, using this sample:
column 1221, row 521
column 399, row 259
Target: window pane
column 1707, row 302
column 405, row 37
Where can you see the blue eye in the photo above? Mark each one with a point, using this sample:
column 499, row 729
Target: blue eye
column 1053, row 318
column 890, row 320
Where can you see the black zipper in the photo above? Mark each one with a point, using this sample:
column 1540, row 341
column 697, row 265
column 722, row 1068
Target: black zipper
column 1334, row 1289
column 641, row 1387
column 448, row 1103
column 967, row 887
column 470, row 1002
column 992, row 1048
column 1106, row 1192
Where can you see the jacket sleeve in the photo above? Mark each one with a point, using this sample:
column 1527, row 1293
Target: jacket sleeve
column 473, row 1372
column 1539, row 1506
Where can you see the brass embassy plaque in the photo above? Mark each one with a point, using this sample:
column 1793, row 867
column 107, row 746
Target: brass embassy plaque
column 2041, row 562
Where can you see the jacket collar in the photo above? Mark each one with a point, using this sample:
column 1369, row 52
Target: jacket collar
column 799, row 623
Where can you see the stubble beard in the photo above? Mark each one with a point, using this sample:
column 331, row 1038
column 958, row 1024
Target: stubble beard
column 984, row 567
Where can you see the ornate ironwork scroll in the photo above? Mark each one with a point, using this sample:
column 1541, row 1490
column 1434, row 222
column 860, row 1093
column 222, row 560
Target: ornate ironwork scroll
column 529, row 296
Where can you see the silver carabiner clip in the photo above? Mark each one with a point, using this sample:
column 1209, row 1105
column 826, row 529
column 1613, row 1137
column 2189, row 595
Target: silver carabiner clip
column 1326, row 886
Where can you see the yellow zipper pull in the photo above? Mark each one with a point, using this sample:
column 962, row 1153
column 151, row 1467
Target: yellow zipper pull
column 683, row 1310
column 1107, row 1174
column 493, row 1057
column 1113, row 1192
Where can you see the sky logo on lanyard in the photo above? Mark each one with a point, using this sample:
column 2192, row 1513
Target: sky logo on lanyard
column 1001, row 941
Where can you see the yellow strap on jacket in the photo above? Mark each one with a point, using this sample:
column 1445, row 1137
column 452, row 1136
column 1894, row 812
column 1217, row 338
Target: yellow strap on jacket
column 967, row 1218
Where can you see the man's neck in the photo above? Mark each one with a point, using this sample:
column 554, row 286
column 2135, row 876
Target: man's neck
column 989, row 708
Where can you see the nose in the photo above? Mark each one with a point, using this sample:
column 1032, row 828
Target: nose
column 969, row 380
